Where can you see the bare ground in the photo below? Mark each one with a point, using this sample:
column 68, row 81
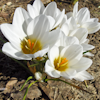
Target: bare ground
column 12, row 75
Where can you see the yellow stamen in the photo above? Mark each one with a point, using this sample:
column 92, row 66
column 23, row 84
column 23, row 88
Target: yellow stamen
column 29, row 46
column 61, row 64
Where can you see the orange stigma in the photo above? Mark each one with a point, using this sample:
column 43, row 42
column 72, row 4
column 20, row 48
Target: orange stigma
column 31, row 44
column 63, row 61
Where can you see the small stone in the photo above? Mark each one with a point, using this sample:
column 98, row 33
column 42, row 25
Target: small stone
column 11, row 83
column 9, row 3
column 33, row 93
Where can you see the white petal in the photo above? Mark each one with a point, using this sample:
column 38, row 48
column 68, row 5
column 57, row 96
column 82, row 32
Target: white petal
column 53, row 54
column 84, row 75
column 75, row 9
column 59, row 18
column 63, row 21
column 89, row 54
column 14, row 53
column 39, row 53
column 51, row 9
column 38, row 5
column 83, row 15
column 12, row 34
column 86, row 41
column 69, row 73
column 65, row 29
column 72, row 23
column 38, row 27
column 50, row 70
column 71, row 40
column 92, row 27
column 32, row 11
column 66, row 41
column 93, row 20
column 73, row 53
column 25, row 24
column 83, row 64
column 69, row 14
column 51, row 22
column 80, row 33
column 20, row 16
column 87, row 47
column 51, row 38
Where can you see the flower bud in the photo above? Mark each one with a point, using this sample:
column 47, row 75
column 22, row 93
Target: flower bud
column 38, row 76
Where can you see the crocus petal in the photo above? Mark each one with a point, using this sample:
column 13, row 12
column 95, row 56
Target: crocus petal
column 73, row 53
column 69, row 73
column 50, row 70
column 92, row 27
column 84, row 75
column 32, row 11
column 59, row 18
column 53, row 53
column 51, row 38
column 83, row 64
column 67, row 40
column 72, row 23
column 38, row 5
column 38, row 26
column 87, row 47
column 80, row 33
column 25, row 24
column 71, row 40
column 89, row 54
column 63, row 21
column 14, row 53
column 75, row 9
column 93, row 20
column 69, row 14
column 83, row 15
column 39, row 53
column 50, row 9
column 51, row 21
column 65, row 29
column 12, row 34
column 20, row 16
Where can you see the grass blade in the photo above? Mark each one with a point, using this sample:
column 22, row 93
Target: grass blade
column 28, row 89
column 29, row 78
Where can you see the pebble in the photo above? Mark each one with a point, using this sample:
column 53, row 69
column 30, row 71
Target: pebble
column 9, row 3
column 11, row 82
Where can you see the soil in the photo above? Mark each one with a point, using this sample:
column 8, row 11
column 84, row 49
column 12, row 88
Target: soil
column 13, row 75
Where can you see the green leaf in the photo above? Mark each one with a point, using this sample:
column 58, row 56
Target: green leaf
column 86, row 51
column 30, row 77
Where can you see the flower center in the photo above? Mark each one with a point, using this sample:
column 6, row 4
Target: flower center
column 29, row 46
column 61, row 64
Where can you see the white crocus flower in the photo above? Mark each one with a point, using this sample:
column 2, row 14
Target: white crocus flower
column 28, row 40
column 50, row 10
column 80, row 34
column 81, row 19
column 67, row 62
